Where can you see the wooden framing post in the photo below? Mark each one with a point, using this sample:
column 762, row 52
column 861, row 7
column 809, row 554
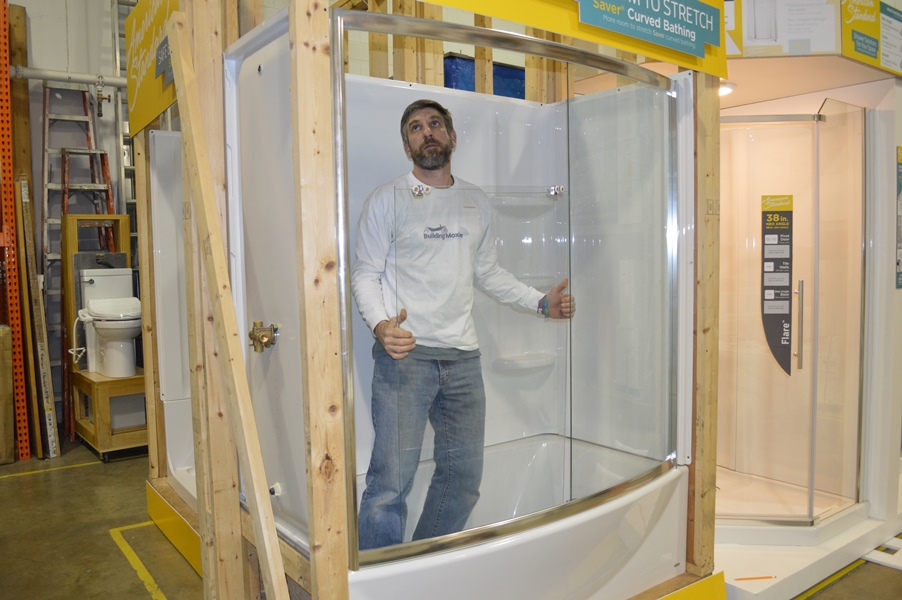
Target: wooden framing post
column 404, row 67
column 485, row 78
column 211, row 23
column 318, row 290
column 156, row 426
column 230, row 354
column 378, row 43
column 536, row 82
column 430, row 53
column 700, row 528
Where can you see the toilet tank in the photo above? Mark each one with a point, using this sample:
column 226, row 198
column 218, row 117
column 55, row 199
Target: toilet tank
column 99, row 284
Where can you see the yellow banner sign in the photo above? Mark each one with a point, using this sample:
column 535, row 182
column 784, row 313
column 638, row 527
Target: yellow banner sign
column 148, row 92
column 562, row 16
column 872, row 34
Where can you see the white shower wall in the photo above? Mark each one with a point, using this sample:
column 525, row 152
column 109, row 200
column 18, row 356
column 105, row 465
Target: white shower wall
column 501, row 143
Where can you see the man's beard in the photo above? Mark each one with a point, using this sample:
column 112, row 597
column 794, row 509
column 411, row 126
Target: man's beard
column 433, row 158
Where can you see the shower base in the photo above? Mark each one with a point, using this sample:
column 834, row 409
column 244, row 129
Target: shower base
column 743, row 496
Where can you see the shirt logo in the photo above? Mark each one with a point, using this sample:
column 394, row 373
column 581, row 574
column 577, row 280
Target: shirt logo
column 441, row 233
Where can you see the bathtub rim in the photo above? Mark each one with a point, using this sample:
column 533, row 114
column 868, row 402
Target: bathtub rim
column 486, row 533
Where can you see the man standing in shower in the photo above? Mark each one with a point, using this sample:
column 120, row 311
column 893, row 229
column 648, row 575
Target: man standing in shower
column 424, row 242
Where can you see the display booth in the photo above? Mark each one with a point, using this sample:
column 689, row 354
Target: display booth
column 596, row 452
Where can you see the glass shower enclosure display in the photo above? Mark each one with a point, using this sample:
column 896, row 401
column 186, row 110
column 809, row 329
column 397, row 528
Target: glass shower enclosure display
column 791, row 309
column 572, row 408
column 577, row 413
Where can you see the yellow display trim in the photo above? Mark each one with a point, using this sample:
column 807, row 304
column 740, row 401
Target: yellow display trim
column 174, row 527
column 709, row 588
column 562, row 16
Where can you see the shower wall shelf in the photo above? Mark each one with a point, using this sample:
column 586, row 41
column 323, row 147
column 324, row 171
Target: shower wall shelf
column 523, row 207
column 524, row 362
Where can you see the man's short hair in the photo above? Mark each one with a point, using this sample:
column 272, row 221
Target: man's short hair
column 443, row 112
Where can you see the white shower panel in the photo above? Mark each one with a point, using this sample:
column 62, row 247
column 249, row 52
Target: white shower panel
column 502, row 143
column 263, row 248
column 169, row 259
column 171, row 324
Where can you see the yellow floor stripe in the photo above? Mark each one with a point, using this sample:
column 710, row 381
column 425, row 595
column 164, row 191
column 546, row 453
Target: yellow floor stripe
column 39, row 471
column 832, row 579
column 143, row 574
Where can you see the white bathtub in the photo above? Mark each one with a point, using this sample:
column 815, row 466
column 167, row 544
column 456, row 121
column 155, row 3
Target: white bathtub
column 614, row 550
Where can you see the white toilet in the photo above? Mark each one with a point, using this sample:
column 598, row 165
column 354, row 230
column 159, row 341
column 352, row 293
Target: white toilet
column 112, row 319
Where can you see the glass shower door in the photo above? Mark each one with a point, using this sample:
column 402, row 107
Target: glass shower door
column 791, row 209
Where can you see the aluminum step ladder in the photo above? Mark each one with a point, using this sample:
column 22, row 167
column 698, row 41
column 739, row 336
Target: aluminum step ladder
column 76, row 178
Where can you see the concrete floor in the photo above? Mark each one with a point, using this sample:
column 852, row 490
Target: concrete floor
column 866, row 581
column 76, row 528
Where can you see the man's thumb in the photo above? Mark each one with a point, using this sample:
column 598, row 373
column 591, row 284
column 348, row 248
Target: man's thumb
column 562, row 285
column 402, row 316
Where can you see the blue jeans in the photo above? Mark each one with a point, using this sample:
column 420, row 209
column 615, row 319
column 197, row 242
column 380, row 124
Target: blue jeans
column 406, row 392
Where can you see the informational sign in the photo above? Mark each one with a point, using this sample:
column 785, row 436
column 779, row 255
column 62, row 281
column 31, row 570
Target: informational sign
column 563, row 17
column 898, row 217
column 776, row 277
column 146, row 58
column 681, row 25
column 782, row 28
column 872, row 34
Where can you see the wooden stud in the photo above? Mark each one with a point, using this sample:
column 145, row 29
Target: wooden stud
column 34, row 405
column 485, row 83
column 205, row 16
column 536, row 81
column 230, row 351
column 318, row 292
column 667, row 587
column 404, row 47
column 48, row 404
column 21, row 123
column 630, row 57
column 214, row 438
column 430, row 53
column 216, row 480
column 378, row 44
column 297, row 567
column 156, row 427
column 700, row 530
column 555, row 74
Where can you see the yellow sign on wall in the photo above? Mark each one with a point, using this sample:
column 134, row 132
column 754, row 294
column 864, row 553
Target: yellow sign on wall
column 148, row 92
column 785, row 28
column 562, row 16
column 872, row 34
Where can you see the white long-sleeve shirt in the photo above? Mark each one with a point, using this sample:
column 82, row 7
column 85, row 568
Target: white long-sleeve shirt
column 426, row 254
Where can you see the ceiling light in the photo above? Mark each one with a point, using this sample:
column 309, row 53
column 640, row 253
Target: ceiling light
column 726, row 87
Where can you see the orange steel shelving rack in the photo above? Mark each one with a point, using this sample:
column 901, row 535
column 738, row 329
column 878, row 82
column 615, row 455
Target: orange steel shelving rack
column 10, row 309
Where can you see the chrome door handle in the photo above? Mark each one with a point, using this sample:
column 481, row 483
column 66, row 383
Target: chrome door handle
column 799, row 351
